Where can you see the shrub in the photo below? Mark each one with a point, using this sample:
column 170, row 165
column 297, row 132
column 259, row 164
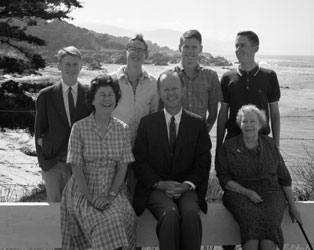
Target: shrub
column 304, row 170
column 214, row 190
column 38, row 194
column 28, row 151
column 17, row 105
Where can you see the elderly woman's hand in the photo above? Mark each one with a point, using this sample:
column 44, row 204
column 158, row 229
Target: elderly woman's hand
column 253, row 196
column 294, row 214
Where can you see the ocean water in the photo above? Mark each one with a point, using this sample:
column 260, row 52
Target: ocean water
column 281, row 60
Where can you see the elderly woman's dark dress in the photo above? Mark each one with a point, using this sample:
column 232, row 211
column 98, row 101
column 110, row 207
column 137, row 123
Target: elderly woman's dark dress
column 262, row 170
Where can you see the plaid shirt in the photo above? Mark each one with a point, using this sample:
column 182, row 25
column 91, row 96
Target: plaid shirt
column 202, row 92
column 88, row 148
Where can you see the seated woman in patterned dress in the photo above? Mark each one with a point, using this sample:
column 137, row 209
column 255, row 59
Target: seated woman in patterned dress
column 95, row 210
column 256, row 182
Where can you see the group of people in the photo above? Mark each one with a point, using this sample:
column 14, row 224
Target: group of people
column 128, row 142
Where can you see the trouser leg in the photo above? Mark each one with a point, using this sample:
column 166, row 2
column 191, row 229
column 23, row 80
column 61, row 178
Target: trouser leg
column 166, row 212
column 55, row 180
column 191, row 224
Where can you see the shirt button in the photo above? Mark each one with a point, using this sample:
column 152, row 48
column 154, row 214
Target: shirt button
column 247, row 80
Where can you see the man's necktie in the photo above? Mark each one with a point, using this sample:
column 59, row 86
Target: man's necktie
column 172, row 134
column 71, row 105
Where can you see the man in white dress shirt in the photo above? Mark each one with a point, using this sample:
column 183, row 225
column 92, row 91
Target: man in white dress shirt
column 57, row 108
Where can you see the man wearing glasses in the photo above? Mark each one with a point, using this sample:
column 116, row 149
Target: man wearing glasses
column 139, row 90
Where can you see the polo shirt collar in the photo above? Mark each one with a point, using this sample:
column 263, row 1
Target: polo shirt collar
column 198, row 67
column 252, row 72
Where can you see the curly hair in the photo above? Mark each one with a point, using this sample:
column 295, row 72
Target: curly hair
column 103, row 81
column 261, row 115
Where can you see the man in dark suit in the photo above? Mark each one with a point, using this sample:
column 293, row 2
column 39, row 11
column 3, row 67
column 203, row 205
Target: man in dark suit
column 57, row 108
column 172, row 163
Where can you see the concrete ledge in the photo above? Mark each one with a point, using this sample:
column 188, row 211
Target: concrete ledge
column 37, row 225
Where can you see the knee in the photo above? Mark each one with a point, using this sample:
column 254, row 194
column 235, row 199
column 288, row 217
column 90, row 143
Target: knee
column 170, row 216
column 191, row 215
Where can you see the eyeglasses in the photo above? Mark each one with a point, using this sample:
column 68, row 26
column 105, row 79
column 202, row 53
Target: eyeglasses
column 138, row 50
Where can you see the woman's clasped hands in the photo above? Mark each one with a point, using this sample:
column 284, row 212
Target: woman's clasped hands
column 102, row 203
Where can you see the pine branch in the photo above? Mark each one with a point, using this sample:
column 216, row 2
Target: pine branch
column 17, row 15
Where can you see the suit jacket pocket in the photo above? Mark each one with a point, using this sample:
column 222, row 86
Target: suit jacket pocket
column 47, row 148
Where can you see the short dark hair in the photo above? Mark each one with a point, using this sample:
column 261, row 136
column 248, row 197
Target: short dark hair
column 138, row 37
column 168, row 73
column 253, row 38
column 191, row 34
column 103, row 81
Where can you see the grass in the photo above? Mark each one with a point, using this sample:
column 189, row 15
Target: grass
column 11, row 193
column 304, row 170
column 38, row 194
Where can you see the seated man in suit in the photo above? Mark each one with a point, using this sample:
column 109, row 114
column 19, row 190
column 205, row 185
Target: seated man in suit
column 57, row 108
column 172, row 163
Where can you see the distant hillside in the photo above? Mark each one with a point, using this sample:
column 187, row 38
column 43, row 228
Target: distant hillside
column 101, row 48
column 163, row 37
column 59, row 34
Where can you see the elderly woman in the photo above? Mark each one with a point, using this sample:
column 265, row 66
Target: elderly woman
column 256, row 182
column 95, row 211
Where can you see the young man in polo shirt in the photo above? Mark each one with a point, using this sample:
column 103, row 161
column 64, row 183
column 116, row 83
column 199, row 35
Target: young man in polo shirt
column 248, row 84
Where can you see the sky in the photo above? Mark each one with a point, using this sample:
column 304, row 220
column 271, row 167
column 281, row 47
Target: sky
column 285, row 27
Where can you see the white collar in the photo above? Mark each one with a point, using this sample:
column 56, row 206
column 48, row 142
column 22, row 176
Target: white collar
column 177, row 116
column 65, row 87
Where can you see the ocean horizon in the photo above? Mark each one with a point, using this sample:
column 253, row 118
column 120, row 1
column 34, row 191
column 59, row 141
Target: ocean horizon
column 298, row 61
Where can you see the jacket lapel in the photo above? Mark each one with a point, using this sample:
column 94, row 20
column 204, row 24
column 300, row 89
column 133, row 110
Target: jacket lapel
column 58, row 100
column 79, row 102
